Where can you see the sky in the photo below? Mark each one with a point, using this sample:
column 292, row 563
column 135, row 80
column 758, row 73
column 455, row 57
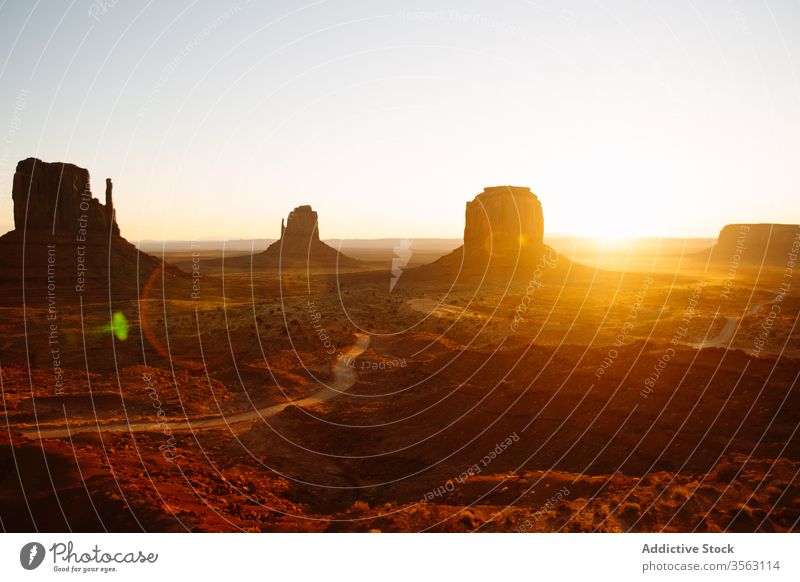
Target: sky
column 215, row 119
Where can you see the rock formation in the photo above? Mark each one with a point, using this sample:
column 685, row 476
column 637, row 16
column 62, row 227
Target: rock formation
column 298, row 248
column 57, row 198
column 66, row 243
column 504, row 222
column 503, row 237
column 755, row 245
column 301, row 227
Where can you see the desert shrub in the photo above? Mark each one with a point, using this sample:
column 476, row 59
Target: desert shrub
column 726, row 471
column 680, row 492
column 359, row 508
column 629, row 511
column 469, row 521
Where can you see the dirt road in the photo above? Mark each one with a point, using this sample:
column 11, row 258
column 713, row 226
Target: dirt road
column 344, row 376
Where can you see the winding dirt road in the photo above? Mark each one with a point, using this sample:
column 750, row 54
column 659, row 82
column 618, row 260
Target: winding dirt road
column 725, row 336
column 344, row 376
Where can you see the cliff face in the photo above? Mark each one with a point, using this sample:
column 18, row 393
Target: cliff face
column 503, row 242
column 755, row 244
column 57, row 197
column 503, row 222
column 301, row 227
column 66, row 245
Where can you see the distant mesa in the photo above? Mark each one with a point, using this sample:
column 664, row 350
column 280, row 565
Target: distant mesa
column 300, row 245
column 66, row 242
column 298, row 248
column 754, row 245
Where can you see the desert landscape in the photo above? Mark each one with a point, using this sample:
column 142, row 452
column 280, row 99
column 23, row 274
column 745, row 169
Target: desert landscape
column 511, row 381
column 412, row 268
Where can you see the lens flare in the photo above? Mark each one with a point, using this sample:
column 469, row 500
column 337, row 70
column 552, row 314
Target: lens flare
column 119, row 326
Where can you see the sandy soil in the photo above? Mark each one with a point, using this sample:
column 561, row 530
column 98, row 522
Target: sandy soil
column 582, row 404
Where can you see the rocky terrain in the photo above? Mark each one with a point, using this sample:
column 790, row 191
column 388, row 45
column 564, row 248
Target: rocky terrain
column 502, row 388
column 455, row 422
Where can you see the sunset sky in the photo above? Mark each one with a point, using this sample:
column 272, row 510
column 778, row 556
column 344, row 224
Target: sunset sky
column 215, row 119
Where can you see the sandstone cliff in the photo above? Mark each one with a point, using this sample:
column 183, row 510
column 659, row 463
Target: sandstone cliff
column 66, row 245
column 298, row 248
column 57, row 197
column 754, row 245
column 503, row 222
column 301, row 227
column 503, row 240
